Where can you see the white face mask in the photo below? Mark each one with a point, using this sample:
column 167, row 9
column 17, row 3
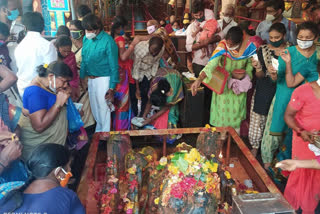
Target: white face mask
column 227, row 19
column 318, row 81
column 53, row 89
column 90, row 35
column 151, row 29
column 304, row 44
column 233, row 48
column 270, row 17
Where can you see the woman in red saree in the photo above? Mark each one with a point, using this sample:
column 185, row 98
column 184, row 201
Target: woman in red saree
column 122, row 116
column 303, row 116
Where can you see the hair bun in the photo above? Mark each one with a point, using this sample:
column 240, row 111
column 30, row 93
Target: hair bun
column 42, row 70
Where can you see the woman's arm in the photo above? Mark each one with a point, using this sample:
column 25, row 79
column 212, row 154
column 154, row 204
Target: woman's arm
column 292, row 80
column 8, row 78
column 291, row 165
column 289, row 118
column 124, row 53
column 42, row 119
column 147, row 109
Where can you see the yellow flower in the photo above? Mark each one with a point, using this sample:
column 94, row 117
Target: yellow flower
column 173, row 170
column 214, row 167
column 156, row 201
column 163, row 161
column 132, row 170
column 149, row 158
column 213, row 129
column 213, row 156
column 192, row 156
column 45, row 66
column 207, row 126
column 130, row 205
column 227, row 174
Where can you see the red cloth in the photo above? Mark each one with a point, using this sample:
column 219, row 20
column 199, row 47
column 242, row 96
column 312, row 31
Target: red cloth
column 168, row 28
column 303, row 187
column 128, row 64
column 70, row 60
column 162, row 121
column 209, row 28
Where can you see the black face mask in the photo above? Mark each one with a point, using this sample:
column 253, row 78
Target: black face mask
column 76, row 34
column 60, row 55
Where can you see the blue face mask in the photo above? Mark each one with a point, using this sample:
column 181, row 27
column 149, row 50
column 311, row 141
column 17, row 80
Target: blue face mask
column 167, row 21
column 175, row 30
column 121, row 32
column 13, row 15
column 2, row 42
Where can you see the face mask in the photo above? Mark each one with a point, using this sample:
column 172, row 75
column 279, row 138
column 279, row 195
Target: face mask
column 121, row 32
column 318, row 82
column 304, row 44
column 277, row 43
column 53, row 89
column 13, row 15
column 201, row 19
column 151, row 29
column 163, row 25
column 91, row 35
column 175, row 30
column 2, row 42
column 76, row 34
column 167, row 21
column 233, row 48
column 126, row 46
column 63, row 181
column 270, row 17
column 227, row 19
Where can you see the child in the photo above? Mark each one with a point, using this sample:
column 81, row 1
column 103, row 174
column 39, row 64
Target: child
column 63, row 45
column 4, row 52
column 208, row 29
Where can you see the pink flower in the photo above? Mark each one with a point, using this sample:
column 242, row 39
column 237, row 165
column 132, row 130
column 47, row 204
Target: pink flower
column 129, row 211
column 113, row 190
column 110, row 163
column 107, row 210
column 133, row 184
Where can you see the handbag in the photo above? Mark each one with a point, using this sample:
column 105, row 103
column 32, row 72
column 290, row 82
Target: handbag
column 219, row 78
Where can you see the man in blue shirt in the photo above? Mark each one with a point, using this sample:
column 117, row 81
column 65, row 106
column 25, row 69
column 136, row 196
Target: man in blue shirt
column 274, row 10
column 100, row 64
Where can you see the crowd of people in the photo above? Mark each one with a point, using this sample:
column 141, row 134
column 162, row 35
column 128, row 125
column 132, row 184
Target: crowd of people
column 51, row 92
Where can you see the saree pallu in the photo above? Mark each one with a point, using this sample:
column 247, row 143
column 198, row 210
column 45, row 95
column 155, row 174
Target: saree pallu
column 56, row 133
column 9, row 114
column 87, row 117
column 175, row 81
column 171, row 118
column 122, row 116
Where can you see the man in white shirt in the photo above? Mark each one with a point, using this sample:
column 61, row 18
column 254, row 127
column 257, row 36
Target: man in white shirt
column 33, row 50
column 227, row 21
